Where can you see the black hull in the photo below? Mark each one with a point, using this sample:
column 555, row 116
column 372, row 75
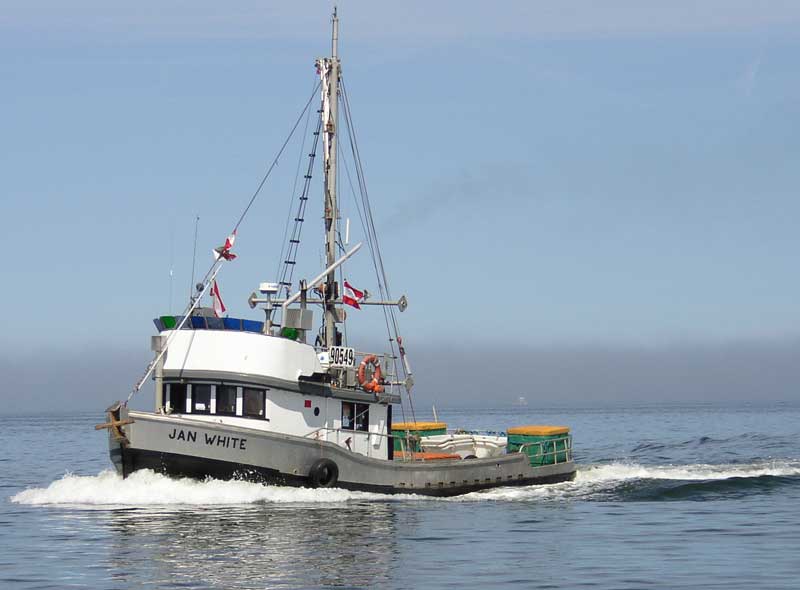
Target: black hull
column 128, row 460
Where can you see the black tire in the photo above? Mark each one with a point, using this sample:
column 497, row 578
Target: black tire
column 324, row 473
column 470, row 457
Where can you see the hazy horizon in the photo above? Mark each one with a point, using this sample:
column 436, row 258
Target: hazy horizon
column 547, row 376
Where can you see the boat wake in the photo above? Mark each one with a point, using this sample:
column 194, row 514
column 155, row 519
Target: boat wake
column 637, row 482
column 605, row 482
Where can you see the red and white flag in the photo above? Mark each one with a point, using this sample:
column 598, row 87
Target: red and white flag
column 216, row 298
column 225, row 250
column 230, row 240
column 352, row 295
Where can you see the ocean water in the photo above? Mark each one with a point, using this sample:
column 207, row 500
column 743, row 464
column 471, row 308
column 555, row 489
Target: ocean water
column 700, row 496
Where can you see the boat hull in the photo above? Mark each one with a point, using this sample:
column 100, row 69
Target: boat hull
column 182, row 447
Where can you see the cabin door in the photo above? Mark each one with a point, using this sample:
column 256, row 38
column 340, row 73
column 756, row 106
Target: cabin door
column 355, row 427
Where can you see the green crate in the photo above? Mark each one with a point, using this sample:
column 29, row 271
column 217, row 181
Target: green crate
column 416, row 429
column 541, row 450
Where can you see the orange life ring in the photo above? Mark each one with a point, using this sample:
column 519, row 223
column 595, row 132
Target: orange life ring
column 375, row 384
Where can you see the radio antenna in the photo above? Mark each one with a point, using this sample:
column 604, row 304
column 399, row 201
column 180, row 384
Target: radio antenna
column 194, row 256
column 171, row 262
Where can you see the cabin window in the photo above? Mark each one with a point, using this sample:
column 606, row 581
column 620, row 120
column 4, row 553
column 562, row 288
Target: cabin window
column 201, row 399
column 362, row 417
column 355, row 416
column 253, row 405
column 177, row 397
column 226, row 400
column 347, row 415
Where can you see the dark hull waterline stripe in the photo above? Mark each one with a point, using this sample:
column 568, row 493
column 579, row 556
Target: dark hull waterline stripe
column 129, row 460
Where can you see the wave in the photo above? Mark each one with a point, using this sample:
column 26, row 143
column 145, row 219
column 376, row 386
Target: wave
column 613, row 481
column 748, row 439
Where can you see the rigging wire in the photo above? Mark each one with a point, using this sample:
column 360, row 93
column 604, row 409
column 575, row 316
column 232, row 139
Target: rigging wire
column 217, row 264
column 372, row 241
column 267, row 174
column 370, row 223
column 277, row 157
column 294, row 189
column 289, row 262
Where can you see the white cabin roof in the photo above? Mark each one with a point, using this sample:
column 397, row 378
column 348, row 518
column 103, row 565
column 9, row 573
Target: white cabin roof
column 240, row 352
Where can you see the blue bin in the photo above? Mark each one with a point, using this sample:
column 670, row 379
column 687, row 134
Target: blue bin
column 198, row 322
column 232, row 323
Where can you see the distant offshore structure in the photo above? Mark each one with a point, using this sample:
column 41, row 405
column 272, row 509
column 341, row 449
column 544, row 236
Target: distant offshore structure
column 521, row 401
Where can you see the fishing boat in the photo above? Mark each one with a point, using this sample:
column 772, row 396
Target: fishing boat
column 291, row 402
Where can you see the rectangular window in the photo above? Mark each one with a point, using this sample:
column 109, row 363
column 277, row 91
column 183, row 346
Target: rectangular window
column 201, row 399
column 253, row 405
column 348, row 409
column 177, row 397
column 226, row 400
column 362, row 417
column 355, row 416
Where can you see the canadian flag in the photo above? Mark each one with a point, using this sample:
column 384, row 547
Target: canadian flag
column 225, row 250
column 352, row 295
column 216, row 298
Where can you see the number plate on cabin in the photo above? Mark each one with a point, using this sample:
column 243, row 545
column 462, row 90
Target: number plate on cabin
column 339, row 356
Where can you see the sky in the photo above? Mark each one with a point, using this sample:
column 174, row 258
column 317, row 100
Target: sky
column 607, row 188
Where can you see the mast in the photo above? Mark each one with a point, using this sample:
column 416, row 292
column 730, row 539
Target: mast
column 330, row 110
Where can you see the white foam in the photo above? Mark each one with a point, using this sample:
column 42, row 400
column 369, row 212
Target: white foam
column 698, row 472
column 146, row 488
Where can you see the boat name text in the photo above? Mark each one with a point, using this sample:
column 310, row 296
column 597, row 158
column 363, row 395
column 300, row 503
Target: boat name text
column 212, row 440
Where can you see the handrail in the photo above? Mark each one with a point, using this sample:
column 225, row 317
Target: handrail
column 315, row 435
column 320, row 429
column 405, row 443
column 495, row 433
column 566, row 451
column 387, row 361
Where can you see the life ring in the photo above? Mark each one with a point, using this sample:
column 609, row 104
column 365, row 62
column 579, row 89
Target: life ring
column 375, row 385
column 324, row 473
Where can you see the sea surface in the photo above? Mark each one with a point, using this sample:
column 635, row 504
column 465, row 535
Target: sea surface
column 695, row 496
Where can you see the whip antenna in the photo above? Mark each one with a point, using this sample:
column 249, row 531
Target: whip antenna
column 194, row 254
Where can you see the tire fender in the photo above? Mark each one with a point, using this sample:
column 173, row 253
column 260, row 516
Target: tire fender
column 324, row 473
